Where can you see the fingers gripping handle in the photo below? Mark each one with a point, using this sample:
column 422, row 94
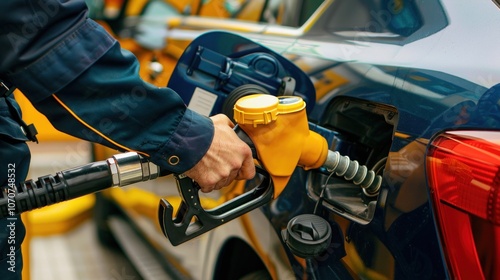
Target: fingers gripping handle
column 192, row 220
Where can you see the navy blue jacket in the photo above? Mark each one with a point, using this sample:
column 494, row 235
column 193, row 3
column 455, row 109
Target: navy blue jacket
column 78, row 76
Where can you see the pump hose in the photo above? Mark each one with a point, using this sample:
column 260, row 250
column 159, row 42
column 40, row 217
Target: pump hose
column 351, row 170
column 119, row 170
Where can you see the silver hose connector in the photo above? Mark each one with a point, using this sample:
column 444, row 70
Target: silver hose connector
column 351, row 170
column 129, row 168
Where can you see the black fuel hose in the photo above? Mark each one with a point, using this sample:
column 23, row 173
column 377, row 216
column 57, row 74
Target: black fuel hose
column 119, row 170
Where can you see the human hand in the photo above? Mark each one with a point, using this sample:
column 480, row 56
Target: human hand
column 227, row 159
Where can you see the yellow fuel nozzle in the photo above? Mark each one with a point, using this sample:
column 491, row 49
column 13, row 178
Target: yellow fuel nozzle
column 279, row 129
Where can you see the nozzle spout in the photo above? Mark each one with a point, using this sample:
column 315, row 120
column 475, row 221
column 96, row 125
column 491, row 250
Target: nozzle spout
column 351, row 170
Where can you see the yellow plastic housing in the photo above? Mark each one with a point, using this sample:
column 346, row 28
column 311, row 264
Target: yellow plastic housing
column 279, row 129
column 255, row 111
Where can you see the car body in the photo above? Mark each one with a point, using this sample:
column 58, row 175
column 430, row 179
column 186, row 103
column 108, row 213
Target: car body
column 408, row 89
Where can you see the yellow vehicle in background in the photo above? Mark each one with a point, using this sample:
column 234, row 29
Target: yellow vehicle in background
column 158, row 31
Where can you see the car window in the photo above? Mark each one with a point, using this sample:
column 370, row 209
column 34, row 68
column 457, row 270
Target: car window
column 292, row 13
column 397, row 21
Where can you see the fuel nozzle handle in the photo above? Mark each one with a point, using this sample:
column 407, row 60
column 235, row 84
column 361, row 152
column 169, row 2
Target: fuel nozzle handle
column 118, row 170
column 279, row 130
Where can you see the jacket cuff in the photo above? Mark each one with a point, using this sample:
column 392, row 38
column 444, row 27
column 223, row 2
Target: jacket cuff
column 188, row 144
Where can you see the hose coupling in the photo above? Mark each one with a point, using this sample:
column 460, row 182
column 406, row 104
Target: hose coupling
column 129, row 168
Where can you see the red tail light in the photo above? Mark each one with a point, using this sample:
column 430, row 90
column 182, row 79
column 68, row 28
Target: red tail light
column 463, row 169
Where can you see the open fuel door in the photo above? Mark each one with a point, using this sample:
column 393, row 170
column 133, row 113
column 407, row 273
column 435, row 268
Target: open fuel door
column 218, row 68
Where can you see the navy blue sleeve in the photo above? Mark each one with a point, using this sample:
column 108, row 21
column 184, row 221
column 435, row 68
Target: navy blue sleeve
column 89, row 87
column 29, row 29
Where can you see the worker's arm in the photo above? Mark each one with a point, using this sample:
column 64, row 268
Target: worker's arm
column 77, row 75
column 111, row 105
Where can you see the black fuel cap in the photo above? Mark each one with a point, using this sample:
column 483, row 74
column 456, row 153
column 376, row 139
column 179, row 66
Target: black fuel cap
column 307, row 235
